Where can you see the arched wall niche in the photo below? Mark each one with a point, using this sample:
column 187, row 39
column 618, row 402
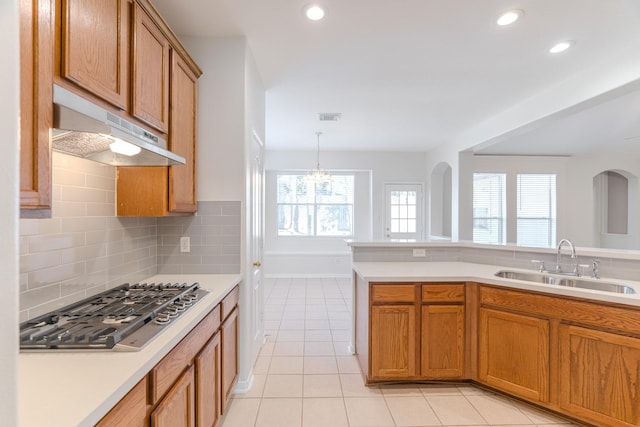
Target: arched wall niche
column 615, row 196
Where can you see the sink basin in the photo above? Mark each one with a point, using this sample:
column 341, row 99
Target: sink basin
column 573, row 282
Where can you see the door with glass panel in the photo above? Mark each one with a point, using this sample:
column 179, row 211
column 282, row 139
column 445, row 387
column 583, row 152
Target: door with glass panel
column 403, row 211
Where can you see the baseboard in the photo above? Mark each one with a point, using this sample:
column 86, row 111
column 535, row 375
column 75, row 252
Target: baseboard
column 243, row 386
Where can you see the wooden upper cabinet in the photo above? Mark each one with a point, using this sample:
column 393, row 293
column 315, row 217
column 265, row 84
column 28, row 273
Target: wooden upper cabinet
column 150, row 79
column 182, row 135
column 94, row 47
column 36, row 106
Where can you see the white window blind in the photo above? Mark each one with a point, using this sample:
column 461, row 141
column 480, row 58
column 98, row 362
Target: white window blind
column 306, row 208
column 489, row 208
column 536, row 210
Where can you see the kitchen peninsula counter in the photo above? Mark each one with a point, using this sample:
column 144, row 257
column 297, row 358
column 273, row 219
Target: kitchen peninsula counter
column 77, row 388
column 483, row 273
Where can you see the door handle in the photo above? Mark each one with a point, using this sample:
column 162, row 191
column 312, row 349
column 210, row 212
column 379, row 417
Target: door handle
column 257, row 264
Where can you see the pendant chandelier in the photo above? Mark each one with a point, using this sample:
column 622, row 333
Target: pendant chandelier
column 318, row 175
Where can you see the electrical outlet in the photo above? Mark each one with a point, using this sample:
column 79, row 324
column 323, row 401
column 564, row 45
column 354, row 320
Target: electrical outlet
column 419, row 252
column 185, row 244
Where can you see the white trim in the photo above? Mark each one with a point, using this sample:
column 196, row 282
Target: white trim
column 243, row 387
column 290, row 253
column 306, row 276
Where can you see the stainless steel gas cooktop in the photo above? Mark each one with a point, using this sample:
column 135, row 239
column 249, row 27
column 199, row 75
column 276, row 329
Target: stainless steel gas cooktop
column 124, row 318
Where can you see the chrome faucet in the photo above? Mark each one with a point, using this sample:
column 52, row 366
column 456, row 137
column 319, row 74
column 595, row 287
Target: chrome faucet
column 561, row 243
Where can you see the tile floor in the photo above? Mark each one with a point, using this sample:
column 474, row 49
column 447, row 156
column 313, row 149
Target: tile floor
column 305, row 376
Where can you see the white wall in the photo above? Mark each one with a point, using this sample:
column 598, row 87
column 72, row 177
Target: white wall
column 221, row 120
column 9, row 199
column 308, row 257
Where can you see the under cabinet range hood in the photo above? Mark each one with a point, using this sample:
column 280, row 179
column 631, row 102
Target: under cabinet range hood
column 84, row 129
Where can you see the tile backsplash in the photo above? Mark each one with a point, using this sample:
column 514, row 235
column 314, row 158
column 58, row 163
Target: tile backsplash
column 85, row 248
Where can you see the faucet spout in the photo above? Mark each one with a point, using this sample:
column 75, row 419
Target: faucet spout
column 561, row 243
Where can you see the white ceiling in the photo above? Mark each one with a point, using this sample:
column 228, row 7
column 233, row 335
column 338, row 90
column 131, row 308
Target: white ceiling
column 409, row 75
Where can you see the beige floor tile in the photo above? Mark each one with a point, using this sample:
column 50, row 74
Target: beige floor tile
column 498, row 410
column 341, row 334
column 407, row 390
column 257, row 387
column 318, row 335
column 283, row 386
column 278, row 413
column 325, row 412
column 288, row 335
column 440, row 389
column 342, row 348
column 288, row 348
column 411, row 411
column 267, row 348
column 262, row 365
column 320, row 365
column 319, row 315
column 311, row 324
column 327, row 385
column 318, row 348
column 368, row 411
column 538, row 416
column 272, row 324
column 291, row 324
column 286, row 365
column 348, row 365
column 241, row 413
column 353, row 386
column 455, row 410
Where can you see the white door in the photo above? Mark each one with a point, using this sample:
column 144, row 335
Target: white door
column 403, row 211
column 256, row 242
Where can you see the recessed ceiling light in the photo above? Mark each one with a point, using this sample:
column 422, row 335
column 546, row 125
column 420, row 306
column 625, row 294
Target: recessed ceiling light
column 509, row 17
column 561, row 46
column 314, row 12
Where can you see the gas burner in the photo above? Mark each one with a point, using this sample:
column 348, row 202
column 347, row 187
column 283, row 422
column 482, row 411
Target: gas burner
column 126, row 318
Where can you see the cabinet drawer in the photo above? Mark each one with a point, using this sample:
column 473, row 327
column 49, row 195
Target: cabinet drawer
column 165, row 373
column 229, row 302
column 393, row 292
column 443, row 292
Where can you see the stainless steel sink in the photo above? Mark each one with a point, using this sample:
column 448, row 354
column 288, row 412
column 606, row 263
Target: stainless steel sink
column 597, row 285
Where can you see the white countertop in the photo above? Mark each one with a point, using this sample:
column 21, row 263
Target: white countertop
column 65, row 389
column 471, row 272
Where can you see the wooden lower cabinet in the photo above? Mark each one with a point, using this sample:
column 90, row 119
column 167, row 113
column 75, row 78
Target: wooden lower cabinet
column 229, row 335
column 442, row 341
column 208, row 391
column 514, row 353
column 393, row 342
column 177, row 408
column 131, row 411
column 600, row 376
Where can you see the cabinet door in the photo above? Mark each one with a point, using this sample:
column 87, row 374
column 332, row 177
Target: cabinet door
column 150, row 72
column 393, row 341
column 208, row 390
column 182, row 135
column 36, row 106
column 178, row 406
column 95, row 47
column 514, row 353
column 229, row 331
column 442, row 350
column 131, row 411
column 599, row 376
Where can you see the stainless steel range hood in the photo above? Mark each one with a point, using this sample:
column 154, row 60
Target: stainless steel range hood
column 84, row 129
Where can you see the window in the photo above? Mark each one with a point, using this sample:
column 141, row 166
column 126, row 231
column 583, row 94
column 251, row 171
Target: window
column 489, row 208
column 536, row 210
column 306, row 208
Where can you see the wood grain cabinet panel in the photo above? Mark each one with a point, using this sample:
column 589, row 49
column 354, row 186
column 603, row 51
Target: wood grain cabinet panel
column 131, row 411
column 393, row 341
column 443, row 341
column 177, row 409
column 514, row 353
column 182, row 135
column 36, row 106
column 150, row 80
column 94, row 51
column 229, row 331
column 208, row 391
column 600, row 376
